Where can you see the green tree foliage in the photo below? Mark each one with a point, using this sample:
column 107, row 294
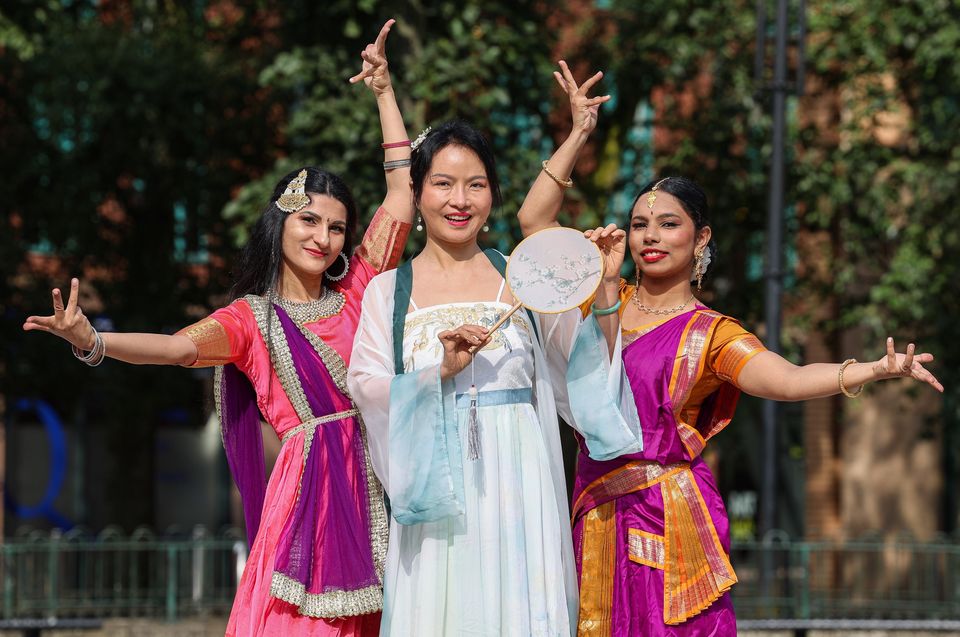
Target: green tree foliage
column 150, row 108
column 114, row 119
column 888, row 181
column 485, row 62
column 886, row 186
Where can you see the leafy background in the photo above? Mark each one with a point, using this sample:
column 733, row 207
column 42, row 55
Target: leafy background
column 139, row 140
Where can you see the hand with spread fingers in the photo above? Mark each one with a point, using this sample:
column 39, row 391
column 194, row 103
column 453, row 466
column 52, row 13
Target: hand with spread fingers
column 68, row 322
column 583, row 108
column 459, row 346
column 612, row 242
column 894, row 365
column 374, row 70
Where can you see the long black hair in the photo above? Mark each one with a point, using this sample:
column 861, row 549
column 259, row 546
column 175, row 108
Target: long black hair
column 453, row 133
column 693, row 201
column 258, row 268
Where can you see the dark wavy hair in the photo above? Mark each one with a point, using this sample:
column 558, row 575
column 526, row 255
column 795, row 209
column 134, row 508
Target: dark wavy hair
column 453, row 133
column 258, row 267
column 693, row 201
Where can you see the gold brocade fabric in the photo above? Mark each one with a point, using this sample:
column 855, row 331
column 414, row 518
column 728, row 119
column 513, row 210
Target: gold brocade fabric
column 212, row 341
column 697, row 571
column 646, row 548
column 383, row 241
column 733, row 357
column 598, row 564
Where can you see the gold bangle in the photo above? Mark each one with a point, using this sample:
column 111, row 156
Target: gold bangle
column 563, row 183
column 843, row 390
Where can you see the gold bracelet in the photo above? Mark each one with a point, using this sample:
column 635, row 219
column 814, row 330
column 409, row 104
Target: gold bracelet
column 563, row 183
column 843, row 390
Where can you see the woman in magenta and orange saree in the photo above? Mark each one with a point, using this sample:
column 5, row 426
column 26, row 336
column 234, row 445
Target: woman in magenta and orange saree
column 651, row 534
column 317, row 527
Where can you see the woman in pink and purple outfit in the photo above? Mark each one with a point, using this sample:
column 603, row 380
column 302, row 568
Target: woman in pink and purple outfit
column 318, row 529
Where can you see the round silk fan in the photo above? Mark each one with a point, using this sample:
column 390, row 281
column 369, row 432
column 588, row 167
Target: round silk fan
column 552, row 271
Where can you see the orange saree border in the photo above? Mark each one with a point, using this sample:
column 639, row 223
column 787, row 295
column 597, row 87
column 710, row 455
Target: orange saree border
column 697, row 571
column 598, row 563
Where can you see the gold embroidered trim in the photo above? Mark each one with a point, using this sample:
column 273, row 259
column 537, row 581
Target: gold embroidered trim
column 598, row 563
column 218, row 402
column 383, row 241
column 263, row 313
column 645, row 548
column 340, row 415
column 634, row 476
column 697, row 571
column 326, row 605
column 286, row 371
column 689, row 362
column 735, row 355
column 212, row 341
column 379, row 529
column 628, row 337
column 691, row 438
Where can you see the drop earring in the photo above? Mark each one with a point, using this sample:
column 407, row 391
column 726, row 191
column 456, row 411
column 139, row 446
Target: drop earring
column 419, row 223
column 698, row 267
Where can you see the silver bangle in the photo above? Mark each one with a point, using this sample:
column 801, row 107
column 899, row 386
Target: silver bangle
column 96, row 355
column 396, row 163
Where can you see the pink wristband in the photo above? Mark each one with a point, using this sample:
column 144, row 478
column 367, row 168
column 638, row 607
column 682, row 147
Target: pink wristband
column 405, row 142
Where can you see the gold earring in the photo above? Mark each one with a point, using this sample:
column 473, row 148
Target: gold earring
column 698, row 266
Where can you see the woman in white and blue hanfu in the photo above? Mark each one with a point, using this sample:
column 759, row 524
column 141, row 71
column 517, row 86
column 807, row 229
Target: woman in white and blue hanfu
column 480, row 543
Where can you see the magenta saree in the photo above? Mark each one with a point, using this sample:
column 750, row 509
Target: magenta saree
column 650, row 529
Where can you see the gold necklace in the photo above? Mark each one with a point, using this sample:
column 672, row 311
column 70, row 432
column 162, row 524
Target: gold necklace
column 658, row 311
column 303, row 312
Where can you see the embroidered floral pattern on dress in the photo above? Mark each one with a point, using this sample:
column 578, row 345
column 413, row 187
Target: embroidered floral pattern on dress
column 422, row 325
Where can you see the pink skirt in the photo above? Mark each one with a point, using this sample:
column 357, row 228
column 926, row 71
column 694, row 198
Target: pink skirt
column 255, row 613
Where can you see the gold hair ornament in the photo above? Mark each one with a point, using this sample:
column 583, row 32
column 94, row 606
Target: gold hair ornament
column 294, row 198
column 652, row 197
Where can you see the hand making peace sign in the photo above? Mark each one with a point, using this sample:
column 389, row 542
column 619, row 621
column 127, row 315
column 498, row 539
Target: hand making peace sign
column 68, row 322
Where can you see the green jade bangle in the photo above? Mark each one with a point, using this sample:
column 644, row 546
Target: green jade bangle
column 610, row 310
